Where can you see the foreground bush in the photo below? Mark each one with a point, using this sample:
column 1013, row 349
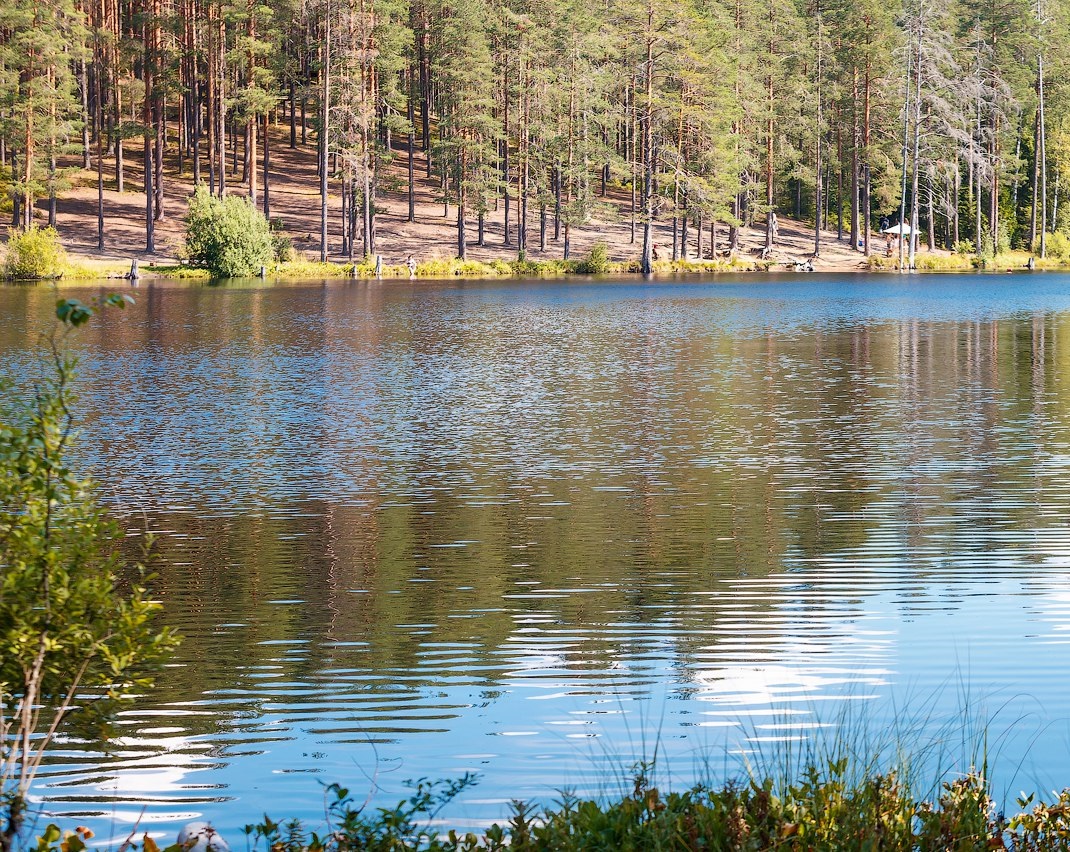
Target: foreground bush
column 77, row 627
column 34, row 253
column 228, row 237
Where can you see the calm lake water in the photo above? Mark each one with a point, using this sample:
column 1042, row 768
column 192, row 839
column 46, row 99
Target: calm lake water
column 540, row 530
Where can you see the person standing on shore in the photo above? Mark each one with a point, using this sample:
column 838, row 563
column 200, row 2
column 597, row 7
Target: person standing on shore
column 411, row 264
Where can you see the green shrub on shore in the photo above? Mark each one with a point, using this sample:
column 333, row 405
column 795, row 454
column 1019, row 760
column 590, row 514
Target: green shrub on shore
column 34, row 253
column 943, row 262
column 229, row 237
column 1057, row 245
column 596, row 262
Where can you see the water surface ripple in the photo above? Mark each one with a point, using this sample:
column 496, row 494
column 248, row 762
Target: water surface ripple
column 539, row 531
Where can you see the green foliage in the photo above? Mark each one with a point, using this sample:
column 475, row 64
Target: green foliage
column 281, row 245
column 282, row 248
column 596, row 262
column 1045, row 827
column 34, row 253
column 77, row 633
column 229, row 237
column 1057, row 245
column 965, row 247
column 933, row 262
column 301, row 268
column 542, row 268
column 451, row 267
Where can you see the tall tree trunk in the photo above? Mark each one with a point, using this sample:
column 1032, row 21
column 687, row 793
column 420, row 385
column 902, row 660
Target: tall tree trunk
column 250, row 145
column 462, row 241
column 1042, row 133
column 916, row 163
column 160, row 117
column 867, row 197
column 411, row 114
column 147, row 137
column 855, row 163
column 818, row 198
column 633, row 159
column 931, row 212
column 195, row 127
column 955, row 206
column 83, row 78
column 221, row 105
column 98, row 107
column 267, row 167
column 424, row 57
column 293, row 117
column 324, row 133
column 906, row 156
column 506, row 239
column 557, row 203
column 1033, row 215
column 16, row 201
column 645, row 265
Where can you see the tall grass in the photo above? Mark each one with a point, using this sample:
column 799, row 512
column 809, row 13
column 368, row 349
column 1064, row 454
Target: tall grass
column 906, row 786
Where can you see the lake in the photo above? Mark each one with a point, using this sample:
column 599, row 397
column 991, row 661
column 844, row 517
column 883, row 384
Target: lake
column 539, row 531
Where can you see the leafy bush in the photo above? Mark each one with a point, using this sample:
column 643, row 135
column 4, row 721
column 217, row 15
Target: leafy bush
column 944, row 262
column 281, row 245
column 282, row 248
column 1003, row 238
column 448, row 268
column 34, row 253
column 229, row 237
column 964, row 247
column 596, row 262
column 1057, row 245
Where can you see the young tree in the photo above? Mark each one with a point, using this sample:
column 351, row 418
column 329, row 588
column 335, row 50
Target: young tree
column 76, row 637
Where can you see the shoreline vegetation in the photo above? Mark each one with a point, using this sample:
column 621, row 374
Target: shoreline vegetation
column 825, row 808
column 81, row 269
column 64, row 268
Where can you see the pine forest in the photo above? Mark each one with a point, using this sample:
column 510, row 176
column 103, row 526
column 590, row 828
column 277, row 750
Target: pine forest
column 952, row 116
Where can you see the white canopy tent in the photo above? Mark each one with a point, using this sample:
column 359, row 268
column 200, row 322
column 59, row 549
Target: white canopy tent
column 898, row 229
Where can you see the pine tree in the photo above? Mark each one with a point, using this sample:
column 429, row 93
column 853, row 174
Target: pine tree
column 41, row 39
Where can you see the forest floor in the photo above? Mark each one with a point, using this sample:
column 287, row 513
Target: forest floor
column 295, row 201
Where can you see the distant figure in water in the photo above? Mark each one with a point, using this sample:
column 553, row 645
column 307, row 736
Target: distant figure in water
column 411, row 263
